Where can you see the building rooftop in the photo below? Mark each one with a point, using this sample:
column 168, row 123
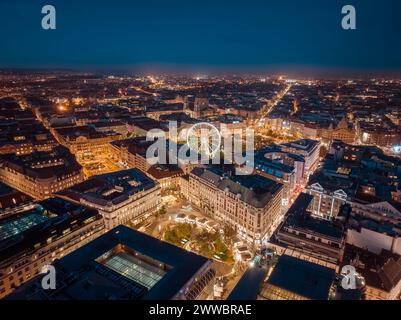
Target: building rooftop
column 364, row 173
column 139, row 145
column 164, row 107
column 302, row 278
column 111, row 188
column 160, row 171
column 381, row 271
column 10, row 197
column 88, row 132
column 43, row 165
column 146, row 124
column 298, row 216
column 390, row 228
column 32, row 228
column 121, row 264
column 249, row 285
column 302, row 145
column 21, row 133
column 180, row 117
column 254, row 189
column 272, row 167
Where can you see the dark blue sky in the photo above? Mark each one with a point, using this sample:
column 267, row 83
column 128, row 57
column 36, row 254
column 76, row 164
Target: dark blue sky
column 202, row 34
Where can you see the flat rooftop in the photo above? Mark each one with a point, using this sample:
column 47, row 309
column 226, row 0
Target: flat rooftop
column 15, row 226
column 301, row 277
column 121, row 264
column 111, row 188
column 255, row 190
column 25, row 231
column 134, row 266
column 303, row 145
column 43, row 165
column 249, row 285
column 10, row 197
column 298, row 216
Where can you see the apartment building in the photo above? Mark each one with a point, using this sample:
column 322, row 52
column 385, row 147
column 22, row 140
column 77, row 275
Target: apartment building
column 251, row 205
column 41, row 174
column 120, row 197
column 37, row 236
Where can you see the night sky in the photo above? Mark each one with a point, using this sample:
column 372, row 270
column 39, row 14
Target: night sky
column 256, row 35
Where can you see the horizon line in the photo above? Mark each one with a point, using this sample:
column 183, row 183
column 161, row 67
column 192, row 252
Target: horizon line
column 295, row 71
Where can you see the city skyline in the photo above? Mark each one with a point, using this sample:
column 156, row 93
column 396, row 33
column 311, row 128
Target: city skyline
column 322, row 179
column 244, row 152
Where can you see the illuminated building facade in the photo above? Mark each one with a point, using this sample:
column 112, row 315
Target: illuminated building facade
column 326, row 203
column 378, row 132
column 343, row 132
column 251, row 205
column 86, row 143
column 21, row 141
column 132, row 153
column 309, row 149
column 278, row 172
column 41, row 174
column 168, row 176
column 158, row 111
column 120, row 197
column 309, row 235
column 63, row 226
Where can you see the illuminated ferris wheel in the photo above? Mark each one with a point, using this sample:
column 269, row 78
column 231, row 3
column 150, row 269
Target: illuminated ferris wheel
column 204, row 138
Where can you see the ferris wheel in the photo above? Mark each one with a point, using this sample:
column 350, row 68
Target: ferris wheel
column 204, row 138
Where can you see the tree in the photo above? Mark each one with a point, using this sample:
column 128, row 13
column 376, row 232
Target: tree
column 177, row 233
column 162, row 211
